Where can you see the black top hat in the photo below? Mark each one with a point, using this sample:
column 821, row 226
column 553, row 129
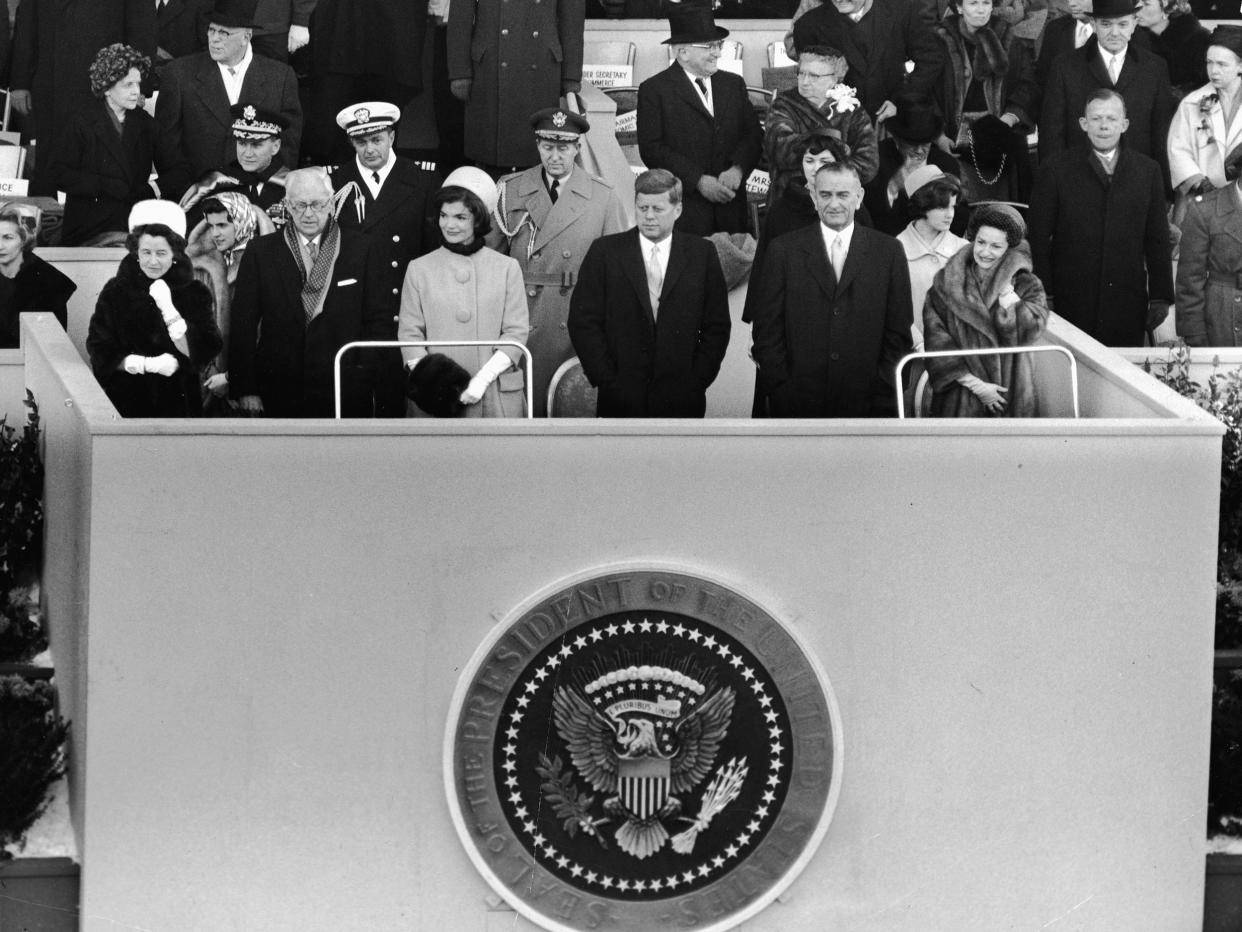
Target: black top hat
column 689, row 24
column 917, row 119
column 234, row 14
column 1111, row 9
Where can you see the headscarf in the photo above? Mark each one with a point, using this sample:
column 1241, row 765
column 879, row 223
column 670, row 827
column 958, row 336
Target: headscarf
column 241, row 215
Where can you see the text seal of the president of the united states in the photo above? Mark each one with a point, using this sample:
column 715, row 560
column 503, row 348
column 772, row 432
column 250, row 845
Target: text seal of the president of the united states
column 642, row 750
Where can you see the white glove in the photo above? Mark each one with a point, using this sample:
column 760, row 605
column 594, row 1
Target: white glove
column 218, row 384
column 163, row 298
column 134, row 364
column 484, row 377
column 164, row 364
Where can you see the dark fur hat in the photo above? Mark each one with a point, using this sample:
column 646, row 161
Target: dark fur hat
column 436, row 384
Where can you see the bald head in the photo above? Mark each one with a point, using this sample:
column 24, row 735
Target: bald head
column 308, row 197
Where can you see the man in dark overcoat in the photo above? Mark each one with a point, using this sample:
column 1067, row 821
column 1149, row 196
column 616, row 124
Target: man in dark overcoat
column 54, row 43
column 361, row 50
column 877, row 38
column 193, row 109
column 182, row 28
column 389, row 198
column 834, row 312
column 1099, row 232
column 301, row 295
column 506, row 57
column 697, row 122
column 1109, row 60
column 649, row 318
column 283, row 27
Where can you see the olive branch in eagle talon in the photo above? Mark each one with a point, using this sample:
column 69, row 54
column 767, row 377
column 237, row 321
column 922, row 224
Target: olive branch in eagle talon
column 559, row 790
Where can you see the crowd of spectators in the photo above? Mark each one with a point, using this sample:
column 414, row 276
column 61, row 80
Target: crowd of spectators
column 270, row 220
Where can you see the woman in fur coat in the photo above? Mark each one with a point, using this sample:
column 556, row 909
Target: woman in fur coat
column 153, row 328
column 987, row 296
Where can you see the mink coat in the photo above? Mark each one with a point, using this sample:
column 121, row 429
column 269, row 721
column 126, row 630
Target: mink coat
column 958, row 314
column 126, row 321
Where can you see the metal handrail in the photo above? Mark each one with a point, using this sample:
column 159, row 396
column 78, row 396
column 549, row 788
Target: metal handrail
column 997, row 351
column 380, row 344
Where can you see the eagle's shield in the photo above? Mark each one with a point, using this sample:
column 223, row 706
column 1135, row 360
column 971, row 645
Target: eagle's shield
column 643, row 785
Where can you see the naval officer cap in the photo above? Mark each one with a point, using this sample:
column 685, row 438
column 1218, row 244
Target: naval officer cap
column 251, row 122
column 360, row 119
column 557, row 125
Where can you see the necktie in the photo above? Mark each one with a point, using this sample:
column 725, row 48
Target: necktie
column 655, row 280
column 702, row 87
column 552, row 190
column 1114, row 69
column 312, row 249
column 837, row 255
column 375, row 177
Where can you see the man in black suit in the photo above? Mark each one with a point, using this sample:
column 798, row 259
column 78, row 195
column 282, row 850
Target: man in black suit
column 182, row 27
column 697, row 122
column 196, row 92
column 1109, row 60
column 877, row 38
column 301, row 295
column 834, row 313
column 649, row 318
column 388, row 197
column 1099, row 233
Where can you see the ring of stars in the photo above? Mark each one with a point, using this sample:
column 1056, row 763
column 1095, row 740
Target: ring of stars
column 545, row 675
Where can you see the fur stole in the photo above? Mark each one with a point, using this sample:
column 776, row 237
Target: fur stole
column 971, row 295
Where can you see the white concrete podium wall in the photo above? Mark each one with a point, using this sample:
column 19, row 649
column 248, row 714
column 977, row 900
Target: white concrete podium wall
column 266, row 621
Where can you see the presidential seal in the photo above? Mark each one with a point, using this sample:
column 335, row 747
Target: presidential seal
column 642, row 750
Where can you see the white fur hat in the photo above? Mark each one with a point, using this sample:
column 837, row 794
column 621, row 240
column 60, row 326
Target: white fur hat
column 477, row 181
column 158, row 211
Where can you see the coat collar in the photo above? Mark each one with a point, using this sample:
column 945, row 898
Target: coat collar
column 687, row 92
column 115, row 143
column 211, row 90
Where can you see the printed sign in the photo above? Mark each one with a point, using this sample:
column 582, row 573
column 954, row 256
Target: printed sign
column 609, row 75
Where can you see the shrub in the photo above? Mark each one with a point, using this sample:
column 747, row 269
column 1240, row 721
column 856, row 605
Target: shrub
column 32, row 753
column 22, row 633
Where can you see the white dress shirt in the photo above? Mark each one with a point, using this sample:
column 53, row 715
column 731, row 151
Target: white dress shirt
column 830, row 235
column 662, row 249
column 1109, row 58
column 707, row 99
column 1082, row 32
column 233, row 77
column 372, row 185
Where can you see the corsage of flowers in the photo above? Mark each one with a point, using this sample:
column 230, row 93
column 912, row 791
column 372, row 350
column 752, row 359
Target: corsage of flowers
column 842, row 98
column 1206, row 104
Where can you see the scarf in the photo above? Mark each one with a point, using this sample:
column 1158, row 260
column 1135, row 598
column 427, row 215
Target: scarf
column 971, row 292
column 238, row 207
column 314, row 283
column 464, row 249
column 989, row 64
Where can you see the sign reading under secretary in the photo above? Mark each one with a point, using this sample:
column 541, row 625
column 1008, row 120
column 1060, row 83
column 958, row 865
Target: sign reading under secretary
column 641, row 750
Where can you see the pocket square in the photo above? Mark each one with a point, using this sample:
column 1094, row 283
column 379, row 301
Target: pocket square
column 346, row 281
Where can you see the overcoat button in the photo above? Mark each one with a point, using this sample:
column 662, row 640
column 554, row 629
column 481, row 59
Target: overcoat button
column 535, row 34
column 531, row 292
column 835, row 356
column 396, row 239
column 394, row 291
column 394, row 263
column 463, row 314
column 462, row 275
column 565, row 254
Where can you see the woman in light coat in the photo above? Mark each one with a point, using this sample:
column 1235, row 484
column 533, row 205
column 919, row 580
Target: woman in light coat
column 1205, row 138
column 466, row 291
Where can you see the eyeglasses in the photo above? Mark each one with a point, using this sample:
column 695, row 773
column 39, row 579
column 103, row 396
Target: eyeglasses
column 710, row 46
column 812, row 76
column 303, row 207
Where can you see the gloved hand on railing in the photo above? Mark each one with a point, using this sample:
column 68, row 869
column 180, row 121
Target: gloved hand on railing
column 991, row 396
column 484, row 377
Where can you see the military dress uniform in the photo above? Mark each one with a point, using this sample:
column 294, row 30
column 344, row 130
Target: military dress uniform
column 398, row 219
column 550, row 241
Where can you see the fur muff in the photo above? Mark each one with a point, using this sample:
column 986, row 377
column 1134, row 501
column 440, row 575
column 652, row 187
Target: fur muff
column 436, row 384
